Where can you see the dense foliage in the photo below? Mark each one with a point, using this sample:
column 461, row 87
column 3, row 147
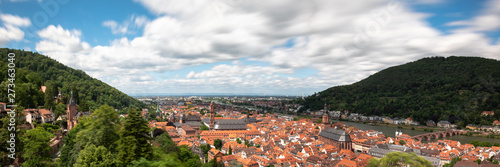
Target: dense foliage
column 102, row 140
column 456, row 89
column 399, row 159
column 34, row 70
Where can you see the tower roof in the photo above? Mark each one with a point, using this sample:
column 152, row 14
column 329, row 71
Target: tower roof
column 72, row 100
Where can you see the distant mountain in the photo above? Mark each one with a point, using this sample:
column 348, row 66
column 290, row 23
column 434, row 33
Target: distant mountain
column 457, row 89
column 34, row 70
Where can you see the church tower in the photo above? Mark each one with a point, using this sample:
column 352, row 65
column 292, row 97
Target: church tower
column 212, row 115
column 71, row 112
column 325, row 116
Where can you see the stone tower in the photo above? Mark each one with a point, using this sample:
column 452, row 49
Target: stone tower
column 71, row 112
column 325, row 116
column 212, row 115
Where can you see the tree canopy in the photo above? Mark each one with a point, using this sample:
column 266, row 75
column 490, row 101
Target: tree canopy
column 34, row 70
column 399, row 159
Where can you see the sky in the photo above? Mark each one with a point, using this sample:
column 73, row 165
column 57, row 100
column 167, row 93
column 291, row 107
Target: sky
column 278, row 47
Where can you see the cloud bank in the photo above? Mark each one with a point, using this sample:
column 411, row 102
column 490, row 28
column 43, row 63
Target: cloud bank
column 343, row 41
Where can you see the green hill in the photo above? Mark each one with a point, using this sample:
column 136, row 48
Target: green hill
column 457, row 89
column 34, row 70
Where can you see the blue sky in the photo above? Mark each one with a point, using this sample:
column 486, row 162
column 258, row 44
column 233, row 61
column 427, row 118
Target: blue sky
column 287, row 47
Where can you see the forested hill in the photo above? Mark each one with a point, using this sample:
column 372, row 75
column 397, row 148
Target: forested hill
column 34, row 70
column 457, row 89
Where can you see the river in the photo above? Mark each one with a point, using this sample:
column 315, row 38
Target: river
column 390, row 132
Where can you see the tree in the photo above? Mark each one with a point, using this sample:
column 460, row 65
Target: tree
column 50, row 93
column 37, row 149
column 95, row 156
column 5, row 133
column 317, row 127
column 402, row 142
column 102, row 130
column 218, row 144
column 50, row 128
column 71, row 149
column 452, row 162
column 478, row 161
column 204, row 127
column 59, row 110
column 319, row 121
column 399, row 159
column 134, row 139
column 238, row 140
column 230, row 151
column 205, row 148
column 166, row 144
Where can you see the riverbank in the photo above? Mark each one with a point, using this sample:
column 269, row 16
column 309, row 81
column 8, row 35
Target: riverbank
column 389, row 131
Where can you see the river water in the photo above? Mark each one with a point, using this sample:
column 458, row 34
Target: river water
column 390, row 132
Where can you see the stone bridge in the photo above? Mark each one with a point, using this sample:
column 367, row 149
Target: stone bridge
column 437, row 135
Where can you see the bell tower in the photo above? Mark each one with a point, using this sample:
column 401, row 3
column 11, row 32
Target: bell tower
column 325, row 116
column 212, row 115
column 71, row 112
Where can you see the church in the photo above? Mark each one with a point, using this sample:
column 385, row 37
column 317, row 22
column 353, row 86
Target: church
column 223, row 128
column 72, row 113
column 336, row 137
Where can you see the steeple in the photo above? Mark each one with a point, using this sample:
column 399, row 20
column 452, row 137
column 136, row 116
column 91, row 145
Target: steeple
column 72, row 100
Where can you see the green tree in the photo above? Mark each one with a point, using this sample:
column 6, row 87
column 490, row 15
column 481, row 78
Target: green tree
column 134, row 139
column 319, row 121
column 7, row 130
column 59, row 110
column 204, row 127
column 71, row 149
column 37, row 149
column 205, row 148
column 402, row 142
column 218, row 144
column 230, row 151
column 238, row 140
column 102, row 130
column 452, row 162
column 50, row 128
column 96, row 156
column 50, row 93
column 398, row 159
column 166, row 144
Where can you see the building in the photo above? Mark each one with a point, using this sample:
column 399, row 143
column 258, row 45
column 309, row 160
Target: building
column 487, row 113
column 196, row 150
column 431, row 123
column 444, row 124
column 189, row 118
column 214, row 153
column 186, row 131
column 71, row 112
column 335, row 137
column 212, row 115
column 408, row 121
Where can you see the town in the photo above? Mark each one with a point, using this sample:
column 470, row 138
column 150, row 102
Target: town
column 252, row 137
column 248, row 134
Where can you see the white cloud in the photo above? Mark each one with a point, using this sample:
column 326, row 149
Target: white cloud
column 11, row 30
column 127, row 27
column 62, row 45
column 488, row 20
column 342, row 40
